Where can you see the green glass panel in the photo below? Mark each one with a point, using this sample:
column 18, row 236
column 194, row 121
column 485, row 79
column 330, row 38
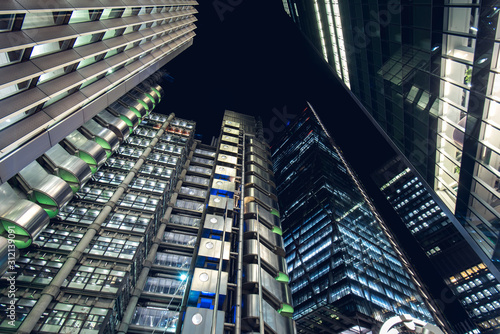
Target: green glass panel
column 283, row 278
column 89, row 160
column 23, row 243
column 75, row 188
column 277, row 230
column 136, row 112
column 104, row 144
column 67, row 176
column 286, row 310
column 12, row 227
column 128, row 122
column 22, row 237
column 51, row 213
column 44, row 199
column 144, row 104
column 157, row 92
column 152, row 99
column 275, row 212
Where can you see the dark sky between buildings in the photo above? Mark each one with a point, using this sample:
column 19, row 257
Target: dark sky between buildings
column 249, row 57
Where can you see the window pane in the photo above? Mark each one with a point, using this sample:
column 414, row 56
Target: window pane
column 6, row 22
column 45, row 19
column 45, row 49
column 109, row 13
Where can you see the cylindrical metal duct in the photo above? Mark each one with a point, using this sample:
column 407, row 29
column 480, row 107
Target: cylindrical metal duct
column 87, row 150
column 71, row 169
column 20, row 219
column 49, row 191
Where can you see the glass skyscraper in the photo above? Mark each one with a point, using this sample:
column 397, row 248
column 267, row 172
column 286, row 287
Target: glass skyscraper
column 426, row 72
column 455, row 261
column 347, row 273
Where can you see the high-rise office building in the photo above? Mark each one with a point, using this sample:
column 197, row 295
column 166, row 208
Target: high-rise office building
column 62, row 62
column 454, row 260
column 161, row 232
column 426, row 72
column 77, row 79
column 347, row 272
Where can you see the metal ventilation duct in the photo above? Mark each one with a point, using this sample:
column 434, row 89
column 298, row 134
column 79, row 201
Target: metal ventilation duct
column 87, row 150
column 49, row 191
column 19, row 218
column 104, row 137
column 115, row 124
column 159, row 90
column 71, row 169
column 133, row 104
column 143, row 99
column 150, row 92
column 127, row 115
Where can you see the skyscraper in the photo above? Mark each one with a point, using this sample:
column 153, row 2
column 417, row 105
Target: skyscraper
column 347, row 273
column 62, row 62
column 452, row 257
column 425, row 73
column 162, row 234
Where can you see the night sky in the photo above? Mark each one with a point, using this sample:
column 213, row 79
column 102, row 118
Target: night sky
column 252, row 59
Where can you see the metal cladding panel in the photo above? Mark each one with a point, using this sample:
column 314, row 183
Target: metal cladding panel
column 223, row 185
column 228, row 148
column 206, row 280
column 115, row 124
column 38, row 180
column 231, row 123
column 213, row 248
column 266, row 186
column 62, row 160
column 258, row 143
column 4, row 254
column 278, row 323
column 28, row 215
column 257, row 150
column 251, row 208
column 199, row 321
column 223, row 170
column 214, row 222
column 220, row 203
column 230, row 139
column 252, row 158
column 261, row 197
column 231, row 131
column 98, row 131
column 279, row 291
column 253, row 225
column 265, row 174
column 227, row 159
column 251, row 248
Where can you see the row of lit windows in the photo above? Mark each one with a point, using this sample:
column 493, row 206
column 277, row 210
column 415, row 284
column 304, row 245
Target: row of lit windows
column 469, row 273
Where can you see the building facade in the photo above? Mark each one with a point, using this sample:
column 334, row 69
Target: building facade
column 472, row 284
column 426, row 74
column 62, row 62
column 347, row 273
column 145, row 229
